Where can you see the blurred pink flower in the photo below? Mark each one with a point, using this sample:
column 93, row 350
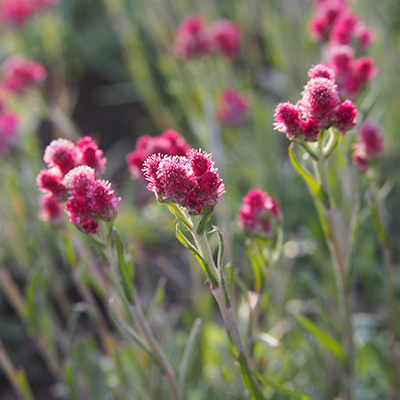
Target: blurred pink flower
column 169, row 142
column 19, row 74
column 370, row 137
column 16, row 12
column 223, row 37
column 233, row 107
column 50, row 209
column 257, row 212
column 190, row 39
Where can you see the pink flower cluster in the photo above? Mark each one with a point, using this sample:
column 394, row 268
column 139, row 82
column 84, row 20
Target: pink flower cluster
column 190, row 181
column 9, row 124
column 257, row 212
column 368, row 147
column 352, row 74
column 194, row 38
column 17, row 74
column 72, row 176
column 17, row 12
column 169, row 143
column 233, row 107
column 319, row 108
column 333, row 22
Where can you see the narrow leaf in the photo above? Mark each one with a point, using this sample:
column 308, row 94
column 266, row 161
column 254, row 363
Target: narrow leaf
column 315, row 188
column 188, row 354
column 327, row 340
column 280, row 388
column 248, row 379
column 185, row 241
column 31, row 309
column 125, row 270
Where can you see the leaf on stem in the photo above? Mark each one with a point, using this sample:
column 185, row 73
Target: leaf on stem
column 280, row 388
column 125, row 270
column 186, row 242
column 255, row 392
column 327, row 340
column 315, row 188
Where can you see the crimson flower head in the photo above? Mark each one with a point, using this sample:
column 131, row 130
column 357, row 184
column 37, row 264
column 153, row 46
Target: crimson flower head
column 51, row 181
column 287, row 119
column 191, row 39
column 9, row 124
column 233, row 107
column 169, row 142
column 190, row 181
column 320, row 99
column 321, row 70
column 258, row 213
column 19, row 74
column 61, row 153
column 223, row 37
column 89, row 154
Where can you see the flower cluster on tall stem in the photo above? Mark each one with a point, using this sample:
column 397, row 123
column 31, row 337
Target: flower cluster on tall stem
column 71, row 176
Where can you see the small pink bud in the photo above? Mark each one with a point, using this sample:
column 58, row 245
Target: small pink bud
column 223, row 37
column 50, row 209
column 61, row 153
column 79, row 180
column 345, row 116
column 233, row 107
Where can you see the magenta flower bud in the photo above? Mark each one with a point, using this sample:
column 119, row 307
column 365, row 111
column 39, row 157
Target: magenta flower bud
column 310, row 129
column 50, row 180
column 173, row 174
column 345, row 116
column 79, row 180
column 200, row 162
column 320, row 99
column 50, row 209
column 89, row 154
column 77, row 206
column 190, row 39
column 87, row 225
column 287, row 119
column 233, row 107
column 19, row 74
column 61, row 153
column 364, row 36
column 223, row 37
column 364, row 69
column 321, row 70
column 343, row 29
column 102, row 201
column 9, row 124
column 256, row 213
column 371, row 139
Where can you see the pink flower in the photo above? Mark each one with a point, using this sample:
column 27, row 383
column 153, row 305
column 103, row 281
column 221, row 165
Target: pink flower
column 320, row 99
column 343, row 29
column 18, row 74
column 190, row 39
column 89, row 154
column 16, row 12
column 51, row 180
column 233, row 107
column 341, row 57
column 169, row 142
column 321, row 70
column 79, row 180
column 287, row 118
column 62, row 154
column 371, row 139
column 50, row 209
column 345, row 116
column 190, row 181
column 9, row 124
column 102, row 201
column 257, row 212
column 223, row 37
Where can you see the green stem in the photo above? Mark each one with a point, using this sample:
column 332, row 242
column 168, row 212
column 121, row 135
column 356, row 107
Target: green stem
column 343, row 288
